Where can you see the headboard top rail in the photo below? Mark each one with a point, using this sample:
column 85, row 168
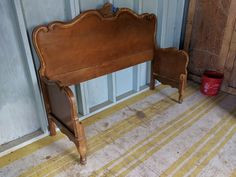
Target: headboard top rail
column 89, row 45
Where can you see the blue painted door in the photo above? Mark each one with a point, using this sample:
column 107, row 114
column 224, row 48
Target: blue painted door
column 21, row 105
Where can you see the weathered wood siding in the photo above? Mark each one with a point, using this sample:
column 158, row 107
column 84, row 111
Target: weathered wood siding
column 207, row 35
column 210, row 39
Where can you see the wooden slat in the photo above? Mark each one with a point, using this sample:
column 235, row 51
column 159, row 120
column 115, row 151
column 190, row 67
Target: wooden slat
column 228, row 34
column 228, row 51
column 189, row 24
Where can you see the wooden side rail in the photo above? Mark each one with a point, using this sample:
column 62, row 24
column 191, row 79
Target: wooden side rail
column 62, row 112
column 170, row 67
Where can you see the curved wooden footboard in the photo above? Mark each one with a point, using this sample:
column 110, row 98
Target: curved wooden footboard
column 170, row 67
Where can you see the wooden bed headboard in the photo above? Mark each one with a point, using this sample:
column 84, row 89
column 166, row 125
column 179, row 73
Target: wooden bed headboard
column 95, row 43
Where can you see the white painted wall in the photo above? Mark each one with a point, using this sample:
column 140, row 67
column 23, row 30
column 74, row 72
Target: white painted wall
column 21, row 107
column 19, row 110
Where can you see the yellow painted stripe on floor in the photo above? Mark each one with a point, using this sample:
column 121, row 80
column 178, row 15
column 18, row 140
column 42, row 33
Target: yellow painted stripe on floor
column 180, row 117
column 169, row 139
column 107, row 112
column 115, row 132
column 215, row 151
column 192, row 162
column 20, row 153
column 194, row 147
column 233, row 174
column 141, row 151
column 132, row 122
column 144, row 149
column 29, row 149
column 52, row 163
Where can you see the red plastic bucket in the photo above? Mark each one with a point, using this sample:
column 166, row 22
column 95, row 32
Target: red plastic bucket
column 211, row 82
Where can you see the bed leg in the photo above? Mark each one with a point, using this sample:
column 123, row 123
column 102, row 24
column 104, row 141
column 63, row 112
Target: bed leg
column 82, row 152
column 81, row 144
column 180, row 97
column 152, row 82
column 181, row 88
column 52, row 127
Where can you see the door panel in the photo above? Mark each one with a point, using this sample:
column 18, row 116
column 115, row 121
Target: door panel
column 19, row 101
column 124, row 81
column 229, row 84
column 90, row 4
column 42, row 12
column 232, row 82
column 19, row 114
column 97, row 91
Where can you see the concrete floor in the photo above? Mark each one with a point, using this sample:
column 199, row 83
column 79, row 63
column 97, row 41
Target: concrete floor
column 147, row 135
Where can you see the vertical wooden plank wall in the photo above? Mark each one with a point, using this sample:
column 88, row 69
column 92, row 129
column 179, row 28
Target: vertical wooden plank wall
column 210, row 40
column 21, row 63
column 228, row 52
column 207, row 35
